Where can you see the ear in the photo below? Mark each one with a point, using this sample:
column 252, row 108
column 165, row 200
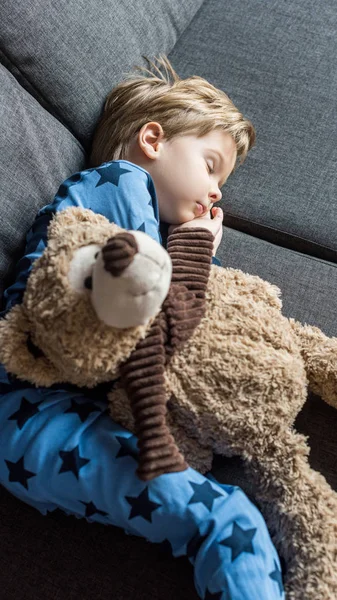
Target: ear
column 19, row 355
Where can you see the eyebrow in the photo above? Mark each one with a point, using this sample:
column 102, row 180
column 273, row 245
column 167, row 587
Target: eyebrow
column 222, row 160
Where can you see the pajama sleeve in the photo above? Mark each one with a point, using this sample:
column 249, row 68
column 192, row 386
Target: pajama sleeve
column 119, row 190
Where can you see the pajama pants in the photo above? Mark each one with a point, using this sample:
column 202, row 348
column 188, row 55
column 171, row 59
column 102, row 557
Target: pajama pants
column 61, row 449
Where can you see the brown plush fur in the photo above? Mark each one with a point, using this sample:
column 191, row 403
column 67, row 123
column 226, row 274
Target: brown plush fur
column 62, row 322
column 235, row 387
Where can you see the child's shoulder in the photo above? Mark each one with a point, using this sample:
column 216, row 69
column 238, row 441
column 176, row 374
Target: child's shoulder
column 121, row 166
column 107, row 172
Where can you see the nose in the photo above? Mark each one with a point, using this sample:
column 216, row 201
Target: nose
column 118, row 253
column 215, row 196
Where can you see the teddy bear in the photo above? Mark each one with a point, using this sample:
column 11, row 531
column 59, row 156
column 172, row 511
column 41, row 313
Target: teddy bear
column 202, row 361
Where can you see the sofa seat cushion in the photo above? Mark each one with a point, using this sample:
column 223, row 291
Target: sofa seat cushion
column 56, row 557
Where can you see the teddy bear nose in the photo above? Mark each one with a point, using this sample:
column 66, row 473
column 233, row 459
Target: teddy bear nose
column 118, row 253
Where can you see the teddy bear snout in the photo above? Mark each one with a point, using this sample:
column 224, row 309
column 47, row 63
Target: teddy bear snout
column 118, row 253
column 130, row 279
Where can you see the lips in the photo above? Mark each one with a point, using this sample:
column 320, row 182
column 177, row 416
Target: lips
column 200, row 208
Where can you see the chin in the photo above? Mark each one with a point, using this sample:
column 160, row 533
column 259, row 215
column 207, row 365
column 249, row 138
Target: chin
column 180, row 219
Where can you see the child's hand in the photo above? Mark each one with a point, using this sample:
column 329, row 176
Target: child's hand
column 213, row 225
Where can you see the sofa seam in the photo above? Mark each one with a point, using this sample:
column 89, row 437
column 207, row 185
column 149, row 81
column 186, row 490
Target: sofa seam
column 280, row 231
column 287, row 235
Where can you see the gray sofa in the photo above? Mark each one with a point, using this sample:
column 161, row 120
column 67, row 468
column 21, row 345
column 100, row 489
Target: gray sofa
column 277, row 63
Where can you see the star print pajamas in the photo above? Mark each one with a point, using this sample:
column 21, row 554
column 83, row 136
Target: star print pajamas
column 61, row 449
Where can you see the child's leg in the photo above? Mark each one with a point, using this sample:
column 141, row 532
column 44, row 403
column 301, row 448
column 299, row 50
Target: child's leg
column 60, row 449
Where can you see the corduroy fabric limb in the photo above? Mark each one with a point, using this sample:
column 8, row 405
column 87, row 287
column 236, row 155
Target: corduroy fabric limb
column 143, row 374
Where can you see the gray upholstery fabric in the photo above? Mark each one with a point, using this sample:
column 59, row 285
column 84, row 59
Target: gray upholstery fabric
column 277, row 62
column 73, row 52
column 37, row 154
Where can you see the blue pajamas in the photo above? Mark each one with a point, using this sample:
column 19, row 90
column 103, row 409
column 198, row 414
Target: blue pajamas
column 61, row 449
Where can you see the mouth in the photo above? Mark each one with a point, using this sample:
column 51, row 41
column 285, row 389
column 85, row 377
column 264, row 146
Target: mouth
column 158, row 279
column 201, row 209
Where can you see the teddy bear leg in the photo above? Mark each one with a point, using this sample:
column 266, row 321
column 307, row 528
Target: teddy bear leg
column 300, row 510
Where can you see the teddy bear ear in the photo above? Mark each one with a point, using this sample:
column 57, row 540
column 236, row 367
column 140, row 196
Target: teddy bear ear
column 20, row 356
column 73, row 216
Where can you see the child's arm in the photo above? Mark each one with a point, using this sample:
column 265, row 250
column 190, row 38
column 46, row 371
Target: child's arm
column 118, row 190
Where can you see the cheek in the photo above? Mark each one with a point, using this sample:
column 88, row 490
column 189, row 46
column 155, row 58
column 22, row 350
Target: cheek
column 189, row 176
column 179, row 188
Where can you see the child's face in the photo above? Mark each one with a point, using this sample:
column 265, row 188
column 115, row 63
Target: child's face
column 187, row 171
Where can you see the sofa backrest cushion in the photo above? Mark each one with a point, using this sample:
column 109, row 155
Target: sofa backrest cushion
column 73, row 52
column 37, row 154
column 277, row 62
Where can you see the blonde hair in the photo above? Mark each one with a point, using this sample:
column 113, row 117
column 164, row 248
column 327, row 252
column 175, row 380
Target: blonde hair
column 181, row 106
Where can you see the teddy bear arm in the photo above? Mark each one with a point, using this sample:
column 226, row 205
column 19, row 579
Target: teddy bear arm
column 20, row 356
column 319, row 353
column 191, row 254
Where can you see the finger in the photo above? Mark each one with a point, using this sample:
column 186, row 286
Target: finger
column 218, row 221
column 217, row 212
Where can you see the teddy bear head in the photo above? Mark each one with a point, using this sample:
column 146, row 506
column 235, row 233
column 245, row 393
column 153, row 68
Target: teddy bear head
column 90, row 298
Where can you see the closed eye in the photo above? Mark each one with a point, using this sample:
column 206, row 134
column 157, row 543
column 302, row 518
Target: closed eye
column 211, row 170
column 219, row 160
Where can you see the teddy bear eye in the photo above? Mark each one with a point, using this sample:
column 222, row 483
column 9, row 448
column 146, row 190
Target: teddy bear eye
column 88, row 282
column 81, row 267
